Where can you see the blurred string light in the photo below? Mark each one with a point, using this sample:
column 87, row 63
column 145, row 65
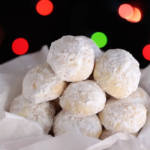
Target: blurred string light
column 100, row 39
column 131, row 14
column 20, row 46
column 146, row 52
column 44, row 7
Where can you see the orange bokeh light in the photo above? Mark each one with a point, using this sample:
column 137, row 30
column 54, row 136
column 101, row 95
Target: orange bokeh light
column 126, row 11
column 136, row 16
column 44, row 7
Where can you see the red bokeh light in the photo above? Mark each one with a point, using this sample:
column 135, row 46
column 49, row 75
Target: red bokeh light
column 44, row 7
column 20, row 46
column 146, row 52
column 125, row 11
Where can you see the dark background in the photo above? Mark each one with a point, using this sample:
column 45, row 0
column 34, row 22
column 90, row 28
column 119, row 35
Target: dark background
column 18, row 18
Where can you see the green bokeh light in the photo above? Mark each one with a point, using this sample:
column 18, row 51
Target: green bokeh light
column 100, row 39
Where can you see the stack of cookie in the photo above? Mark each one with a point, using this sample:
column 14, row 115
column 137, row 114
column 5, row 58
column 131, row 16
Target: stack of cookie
column 68, row 92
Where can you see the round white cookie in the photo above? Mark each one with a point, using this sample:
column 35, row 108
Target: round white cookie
column 71, row 58
column 42, row 113
column 117, row 72
column 97, row 50
column 83, row 98
column 123, row 116
column 88, row 126
column 41, row 84
column 139, row 96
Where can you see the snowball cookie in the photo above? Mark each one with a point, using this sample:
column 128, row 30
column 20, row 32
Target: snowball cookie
column 97, row 51
column 40, row 84
column 105, row 134
column 88, row 126
column 71, row 58
column 83, row 98
column 117, row 72
column 42, row 113
column 122, row 116
column 141, row 96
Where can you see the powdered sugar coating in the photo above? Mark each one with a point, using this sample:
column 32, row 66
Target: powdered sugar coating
column 139, row 96
column 83, row 98
column 117, row 72
column 41, row 84
column 123, row 116
column 42, row 113
column 88, row 126
column 71, row 58
column 97, row 51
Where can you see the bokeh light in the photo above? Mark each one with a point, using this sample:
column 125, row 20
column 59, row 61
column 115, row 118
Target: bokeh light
column 100, row 39
column 125, row 11
column 20, row 46
column 44, row 7
column 136, row 17
column 146, row 52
